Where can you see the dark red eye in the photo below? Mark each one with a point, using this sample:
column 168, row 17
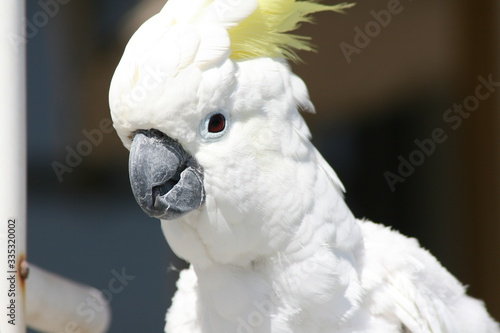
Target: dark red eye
column 217, row 123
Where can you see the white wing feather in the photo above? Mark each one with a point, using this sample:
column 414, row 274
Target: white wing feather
column 405, row 283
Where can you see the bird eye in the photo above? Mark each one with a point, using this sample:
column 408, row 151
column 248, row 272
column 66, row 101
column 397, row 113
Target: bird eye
column 214, row 126
column 216, row 123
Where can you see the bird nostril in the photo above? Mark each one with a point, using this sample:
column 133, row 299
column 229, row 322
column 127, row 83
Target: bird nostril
column 164, row 188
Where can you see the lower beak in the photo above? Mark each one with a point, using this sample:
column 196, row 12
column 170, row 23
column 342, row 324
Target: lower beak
column 167, row 181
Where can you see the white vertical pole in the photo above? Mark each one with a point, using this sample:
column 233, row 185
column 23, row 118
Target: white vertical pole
column 12, row 166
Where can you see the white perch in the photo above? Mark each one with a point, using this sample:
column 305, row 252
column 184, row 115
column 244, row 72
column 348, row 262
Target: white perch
column 56, row 304
column 12, row 165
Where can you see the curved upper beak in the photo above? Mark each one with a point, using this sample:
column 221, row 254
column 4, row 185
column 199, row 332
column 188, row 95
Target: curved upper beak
column 167, row 181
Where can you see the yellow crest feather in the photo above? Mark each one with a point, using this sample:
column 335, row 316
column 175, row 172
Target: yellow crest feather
column 264, row 32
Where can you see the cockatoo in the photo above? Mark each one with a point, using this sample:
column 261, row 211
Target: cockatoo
column 207, row 104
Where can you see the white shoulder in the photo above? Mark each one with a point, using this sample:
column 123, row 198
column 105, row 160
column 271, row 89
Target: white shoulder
column 407, row 285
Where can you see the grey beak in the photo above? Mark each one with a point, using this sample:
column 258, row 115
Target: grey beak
column 167, row 181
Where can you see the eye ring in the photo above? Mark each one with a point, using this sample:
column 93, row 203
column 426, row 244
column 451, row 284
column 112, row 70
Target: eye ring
column 214, row 125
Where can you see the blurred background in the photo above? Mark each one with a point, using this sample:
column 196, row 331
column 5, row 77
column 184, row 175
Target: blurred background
column 405, row 115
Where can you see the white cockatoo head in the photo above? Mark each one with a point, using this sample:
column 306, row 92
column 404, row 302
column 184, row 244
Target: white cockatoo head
column 206, row 102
